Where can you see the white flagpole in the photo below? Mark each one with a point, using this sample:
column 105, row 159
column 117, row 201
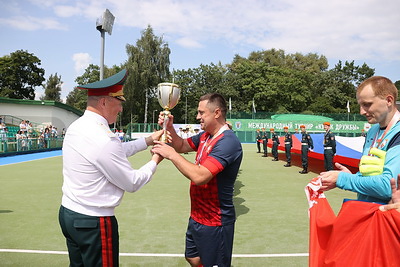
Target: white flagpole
column 254, row 110
column 230, row 108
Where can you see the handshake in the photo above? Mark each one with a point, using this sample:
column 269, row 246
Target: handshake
column 373, row 165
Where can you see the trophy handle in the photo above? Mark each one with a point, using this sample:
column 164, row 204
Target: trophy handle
column 164, row 136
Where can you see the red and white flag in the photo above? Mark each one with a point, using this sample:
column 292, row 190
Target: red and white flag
column 361, row 234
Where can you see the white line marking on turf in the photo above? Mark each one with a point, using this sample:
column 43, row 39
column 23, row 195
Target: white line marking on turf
column 158, row 254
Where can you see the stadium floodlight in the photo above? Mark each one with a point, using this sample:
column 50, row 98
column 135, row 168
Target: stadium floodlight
column 104, row 24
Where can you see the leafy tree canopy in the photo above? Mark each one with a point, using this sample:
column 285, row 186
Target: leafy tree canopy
column 20, row 73
column 148, row 65
column 52, row 88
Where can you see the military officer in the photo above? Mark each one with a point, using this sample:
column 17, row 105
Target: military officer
column 275, row 144
column 288, row 146
column 96, row 174
column 306, row 145
column 258, row 140
column 329, row 147
column 265, row 142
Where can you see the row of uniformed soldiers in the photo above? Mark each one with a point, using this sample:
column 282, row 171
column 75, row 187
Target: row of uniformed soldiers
column 262, row 138
column 306, row 146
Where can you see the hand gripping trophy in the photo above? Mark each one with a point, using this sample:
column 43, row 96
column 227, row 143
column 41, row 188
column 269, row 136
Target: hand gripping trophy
column 168, row 97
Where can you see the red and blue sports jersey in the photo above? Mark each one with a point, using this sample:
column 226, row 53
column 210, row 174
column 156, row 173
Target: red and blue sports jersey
column 212, row 203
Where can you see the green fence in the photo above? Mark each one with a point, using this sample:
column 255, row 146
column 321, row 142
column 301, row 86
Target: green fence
column 15, row 146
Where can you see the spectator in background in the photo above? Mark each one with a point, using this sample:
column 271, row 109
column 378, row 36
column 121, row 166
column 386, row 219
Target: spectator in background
column 185, row 133
column 41, row 142
column 3, row 133
column 29, row 129
column 46, row 137
column 121, row 135
column 53, row 131
column 18, row 135
column 21, row 140
column 22, row 126
column 180, row 132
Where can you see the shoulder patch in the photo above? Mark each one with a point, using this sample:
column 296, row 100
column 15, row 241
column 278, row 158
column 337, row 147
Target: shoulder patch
column 107, row 130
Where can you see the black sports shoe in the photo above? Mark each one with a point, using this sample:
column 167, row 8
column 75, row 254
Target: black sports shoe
column 287, row 165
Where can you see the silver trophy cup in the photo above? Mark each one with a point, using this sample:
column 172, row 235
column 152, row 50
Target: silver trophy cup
column 168, row 97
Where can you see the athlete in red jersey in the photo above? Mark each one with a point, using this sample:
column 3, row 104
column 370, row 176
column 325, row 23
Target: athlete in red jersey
column 209, row 237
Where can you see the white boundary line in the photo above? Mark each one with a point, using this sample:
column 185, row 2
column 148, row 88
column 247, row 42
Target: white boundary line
column 158, row 254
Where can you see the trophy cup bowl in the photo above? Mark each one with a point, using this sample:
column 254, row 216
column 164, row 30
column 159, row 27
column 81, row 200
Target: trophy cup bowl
column 168, row 97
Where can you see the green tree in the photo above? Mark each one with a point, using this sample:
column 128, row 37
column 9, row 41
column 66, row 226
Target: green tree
column 20, row 74
column 277, row 82
column 273, row 88
column 311, row 62
column 52, row 88
column 197, row 82
column 77, row 97
column 148, row 65
column 338, row 85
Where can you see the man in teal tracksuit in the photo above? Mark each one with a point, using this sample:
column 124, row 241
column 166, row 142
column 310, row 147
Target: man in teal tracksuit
column 377, row 99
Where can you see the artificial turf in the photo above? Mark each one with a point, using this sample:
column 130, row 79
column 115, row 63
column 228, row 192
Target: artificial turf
column 271, row 228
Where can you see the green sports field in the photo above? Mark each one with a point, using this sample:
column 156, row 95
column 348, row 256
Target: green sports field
column 271, row 228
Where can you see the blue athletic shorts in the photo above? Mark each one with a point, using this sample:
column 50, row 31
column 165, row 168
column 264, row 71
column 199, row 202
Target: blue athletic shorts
column 213, row 244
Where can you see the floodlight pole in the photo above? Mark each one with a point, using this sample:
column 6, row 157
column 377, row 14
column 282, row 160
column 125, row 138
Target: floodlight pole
column 102, row 34
column 103, row 25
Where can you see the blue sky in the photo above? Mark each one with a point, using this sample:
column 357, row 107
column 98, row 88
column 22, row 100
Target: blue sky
column 62, row 33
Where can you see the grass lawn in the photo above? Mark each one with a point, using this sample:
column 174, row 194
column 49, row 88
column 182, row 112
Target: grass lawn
column 270, row 203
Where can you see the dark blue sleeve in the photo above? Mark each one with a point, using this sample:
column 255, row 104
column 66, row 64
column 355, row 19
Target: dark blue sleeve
column 227, row 150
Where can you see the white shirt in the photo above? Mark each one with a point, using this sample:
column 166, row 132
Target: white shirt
column 96, row 169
